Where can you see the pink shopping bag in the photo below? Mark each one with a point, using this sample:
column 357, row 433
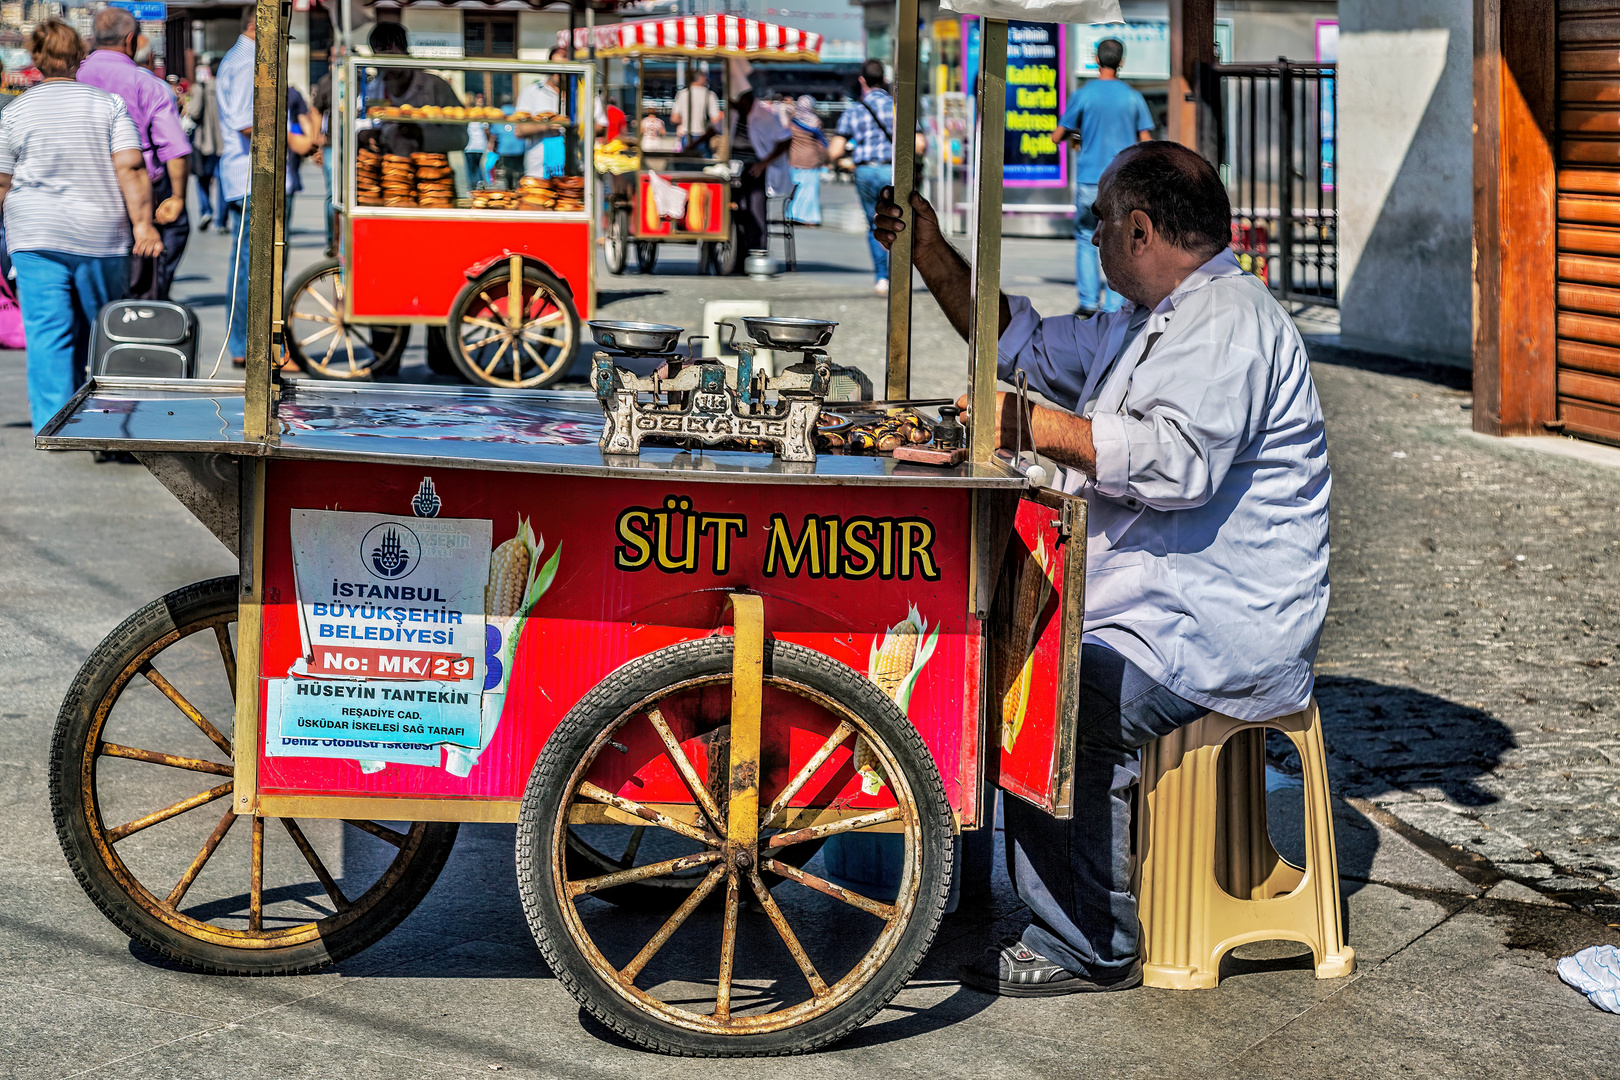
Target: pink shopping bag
column 11, row 322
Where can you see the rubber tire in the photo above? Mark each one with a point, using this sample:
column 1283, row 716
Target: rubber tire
column 390, row 349
column 646, row 256
column 617, row 249
column 720, row 257
column 464, row 300
column 635, row 683
column 202, row 600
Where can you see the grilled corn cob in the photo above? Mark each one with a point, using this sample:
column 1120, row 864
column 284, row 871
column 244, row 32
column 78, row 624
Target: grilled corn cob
column 509, row 566
column 1033, row 590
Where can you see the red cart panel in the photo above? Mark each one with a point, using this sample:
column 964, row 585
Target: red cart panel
column 412, row 268
column 705, row 218
column 630, row 566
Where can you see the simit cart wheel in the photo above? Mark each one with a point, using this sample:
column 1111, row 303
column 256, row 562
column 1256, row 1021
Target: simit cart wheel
column 761, row 977
column 720, row 257
column 617, row 249
column 326, row 347
column 528, row 349
column 646, row 256
column 172, row 865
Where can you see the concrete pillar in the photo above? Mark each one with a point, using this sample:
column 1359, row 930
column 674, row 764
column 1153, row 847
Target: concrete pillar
column 1405, row 176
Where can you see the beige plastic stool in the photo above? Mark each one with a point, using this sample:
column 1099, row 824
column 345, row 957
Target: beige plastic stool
column 1208, row 877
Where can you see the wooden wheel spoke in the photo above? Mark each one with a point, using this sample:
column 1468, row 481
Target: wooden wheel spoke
column 810, row 881
column 331, row 349
column 819, row 758
column 500, row 352
column 202, row 798
column 222, row 633
column 337, row 293
column 663, row 821
column 348, row 347
column 642, row 873
column 381, row 832
column 481, row 342
column 833, row 828
column 172, row 761
column 538, row 361
column 818, row 986
column 339, row 901
column 472, row 320
column 649, row 950
column 315, row 316
column 313, row 338
column 168, row 691
column 256, row 880
column 179, row 891
column 728, row 950
column 683, row 765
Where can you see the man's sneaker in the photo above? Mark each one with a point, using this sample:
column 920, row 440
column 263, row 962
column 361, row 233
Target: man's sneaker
column 208, row 219
column 882, row 287
column 1013, row 969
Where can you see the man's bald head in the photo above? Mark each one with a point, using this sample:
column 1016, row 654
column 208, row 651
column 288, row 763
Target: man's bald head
column 112, row 27
column 1176, row 188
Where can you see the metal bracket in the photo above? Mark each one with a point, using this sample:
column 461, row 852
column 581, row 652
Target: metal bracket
column 747, row 693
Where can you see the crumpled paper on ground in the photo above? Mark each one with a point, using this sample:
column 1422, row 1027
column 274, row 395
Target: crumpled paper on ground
column 1595, row 972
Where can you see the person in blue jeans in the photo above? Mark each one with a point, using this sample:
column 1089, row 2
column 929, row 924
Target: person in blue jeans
column 866, row 132
column 1104, row 116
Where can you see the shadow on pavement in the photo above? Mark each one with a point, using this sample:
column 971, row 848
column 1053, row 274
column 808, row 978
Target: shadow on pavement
column 1457, row 378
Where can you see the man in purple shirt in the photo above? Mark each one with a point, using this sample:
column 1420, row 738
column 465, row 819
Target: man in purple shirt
column 151, row 105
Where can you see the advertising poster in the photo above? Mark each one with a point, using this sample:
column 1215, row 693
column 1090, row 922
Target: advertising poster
column 1035, row 98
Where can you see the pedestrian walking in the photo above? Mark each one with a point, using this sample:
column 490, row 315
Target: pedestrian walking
column 302, row 141
column 1104, row 116
column 477, row 147
column 234, row 86
column 760, row 143
column 152, row 109
column 807, row 157
column 866, row 133
column 202, row 124
column 320, row 113
column 77, row 199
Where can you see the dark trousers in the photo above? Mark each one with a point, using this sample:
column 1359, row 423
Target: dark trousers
column 750, row 214
column 150, row 278
column 1075, row 875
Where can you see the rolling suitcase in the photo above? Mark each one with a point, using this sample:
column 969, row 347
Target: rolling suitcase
column 152, row 339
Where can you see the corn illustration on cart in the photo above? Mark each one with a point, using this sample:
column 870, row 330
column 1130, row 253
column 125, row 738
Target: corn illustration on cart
column 688, row 677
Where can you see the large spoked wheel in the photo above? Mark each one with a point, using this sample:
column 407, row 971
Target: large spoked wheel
column 739, row 968
column 146, row 725
column 322, row 344
column 617, row 248
column 524, row 345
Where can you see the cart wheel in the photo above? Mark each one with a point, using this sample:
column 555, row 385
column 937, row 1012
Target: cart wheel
column 161, row 859
column 735, row 980
column 528, row 349
column 719, row 257
column 618, row 241
column 646, row 256
column 326, row 347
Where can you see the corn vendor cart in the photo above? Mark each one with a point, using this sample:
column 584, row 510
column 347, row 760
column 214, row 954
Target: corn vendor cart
column 700, row 170
column 500, row 270
column 684, row 666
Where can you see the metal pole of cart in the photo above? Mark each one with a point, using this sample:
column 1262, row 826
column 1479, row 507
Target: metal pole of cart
column 905, row 176
column 265, row 228
column 990, row 146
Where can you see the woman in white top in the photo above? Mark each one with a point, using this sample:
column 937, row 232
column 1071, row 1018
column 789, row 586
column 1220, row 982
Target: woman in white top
column 75, row 193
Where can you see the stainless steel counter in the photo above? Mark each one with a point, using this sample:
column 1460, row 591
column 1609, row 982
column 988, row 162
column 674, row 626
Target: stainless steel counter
column 458, row 426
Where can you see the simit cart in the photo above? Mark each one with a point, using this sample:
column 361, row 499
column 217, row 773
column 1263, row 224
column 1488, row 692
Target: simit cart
column 497, row 265
column 702, row 676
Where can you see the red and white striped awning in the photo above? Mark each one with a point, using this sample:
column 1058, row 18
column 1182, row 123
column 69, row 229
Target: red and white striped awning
column 698, row 35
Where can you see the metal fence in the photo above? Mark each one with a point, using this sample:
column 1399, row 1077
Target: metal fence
column 1277, row 132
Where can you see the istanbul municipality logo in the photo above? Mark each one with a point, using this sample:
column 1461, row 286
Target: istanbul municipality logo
column 390, row 551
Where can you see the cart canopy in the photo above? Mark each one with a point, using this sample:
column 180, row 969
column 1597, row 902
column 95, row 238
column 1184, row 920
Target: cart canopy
column 698, row 36
column 1060, row 11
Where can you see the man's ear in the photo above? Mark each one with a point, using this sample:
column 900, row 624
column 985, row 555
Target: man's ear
column 1141, row 230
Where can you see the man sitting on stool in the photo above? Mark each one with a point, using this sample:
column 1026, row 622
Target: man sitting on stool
column 1189, row 422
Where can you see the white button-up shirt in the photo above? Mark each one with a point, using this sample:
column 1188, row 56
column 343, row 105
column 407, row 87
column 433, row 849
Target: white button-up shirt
column 1207, row 559
column 234, row 89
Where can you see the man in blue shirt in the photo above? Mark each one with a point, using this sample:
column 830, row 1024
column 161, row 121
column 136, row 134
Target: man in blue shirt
column 866, row 130
column 1104, row 116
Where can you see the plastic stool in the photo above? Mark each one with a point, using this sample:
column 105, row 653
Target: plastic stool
column 1208, row 878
